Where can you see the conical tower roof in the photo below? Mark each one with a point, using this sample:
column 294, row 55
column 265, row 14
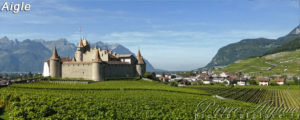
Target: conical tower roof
column 54, row 54
column 80, row 44
column 140, row 58
column 97, row 57
column 138, row 54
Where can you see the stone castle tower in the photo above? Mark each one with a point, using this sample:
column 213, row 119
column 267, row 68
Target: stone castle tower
column 140, row 66
column 55, row 64
column 94, row 64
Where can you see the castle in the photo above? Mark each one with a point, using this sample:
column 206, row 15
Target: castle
column 94, row 64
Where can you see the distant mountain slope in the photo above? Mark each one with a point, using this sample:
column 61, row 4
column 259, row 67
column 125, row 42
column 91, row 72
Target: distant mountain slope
column 243, row 49
column 290, row 46
column 123, row 50
column 250, row 47
column 64, row 47
column 29, row 55
column 22, row 56
column 283, row 63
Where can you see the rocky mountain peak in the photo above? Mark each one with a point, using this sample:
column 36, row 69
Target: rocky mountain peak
column 295, row 30
column 28, row 55
column 4, row 39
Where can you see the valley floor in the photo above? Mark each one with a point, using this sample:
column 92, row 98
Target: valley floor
column 123, row 99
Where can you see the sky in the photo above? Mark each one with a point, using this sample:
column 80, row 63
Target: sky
column 171, row 34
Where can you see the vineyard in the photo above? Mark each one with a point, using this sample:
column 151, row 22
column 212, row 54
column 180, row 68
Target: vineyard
column 125, row 100
column 279, row 97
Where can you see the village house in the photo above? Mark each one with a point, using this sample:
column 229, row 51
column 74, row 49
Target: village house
column 224, row 75
column 263, row 81
column 217, row 78
column 205, row 78
column 158, row 75
column 206, row 82
column 279, row 81
column 191, row 79
column 241, row 81
column 163, row 79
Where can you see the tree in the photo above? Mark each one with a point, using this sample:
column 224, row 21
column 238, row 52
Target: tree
column 273, row 83
column 174, row 83
column 252, row 82
column 153, row 75
column 234, row 81
column 200, row 82
column 148, row 75
column 283, row 76
column 30, row 75
column 296, row 81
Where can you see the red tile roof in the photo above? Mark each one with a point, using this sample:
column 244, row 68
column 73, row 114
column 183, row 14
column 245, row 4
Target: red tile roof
column 279, row 80
column 263, row 79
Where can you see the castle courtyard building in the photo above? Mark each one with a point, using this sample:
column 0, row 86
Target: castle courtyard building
column 94, row 64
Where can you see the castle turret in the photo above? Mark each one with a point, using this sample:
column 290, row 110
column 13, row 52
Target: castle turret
column 79, row 52
column 55, row 64
column 97, row 68
column 141, row 65
column 86, row 44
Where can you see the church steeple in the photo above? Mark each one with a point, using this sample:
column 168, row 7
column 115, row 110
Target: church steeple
column 54, row 54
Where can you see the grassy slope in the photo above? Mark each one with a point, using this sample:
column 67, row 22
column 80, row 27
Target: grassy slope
column 259, row 65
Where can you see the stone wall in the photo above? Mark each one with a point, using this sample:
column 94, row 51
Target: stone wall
column 89, row 55
column 120, row 70
column 76, row 70
column 85, row 70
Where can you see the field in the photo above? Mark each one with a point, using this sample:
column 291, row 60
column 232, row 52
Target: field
column 284, row 63
column 130, row 99
column 279, row 96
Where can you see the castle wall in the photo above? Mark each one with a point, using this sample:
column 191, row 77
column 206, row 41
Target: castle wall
column 104, row 55
column 89, row 56
column 120, row 70
column 78, row 55
column 77, row 70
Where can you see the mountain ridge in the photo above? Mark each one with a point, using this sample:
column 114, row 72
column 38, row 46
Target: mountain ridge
column 29, row 55
column 250, row 47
